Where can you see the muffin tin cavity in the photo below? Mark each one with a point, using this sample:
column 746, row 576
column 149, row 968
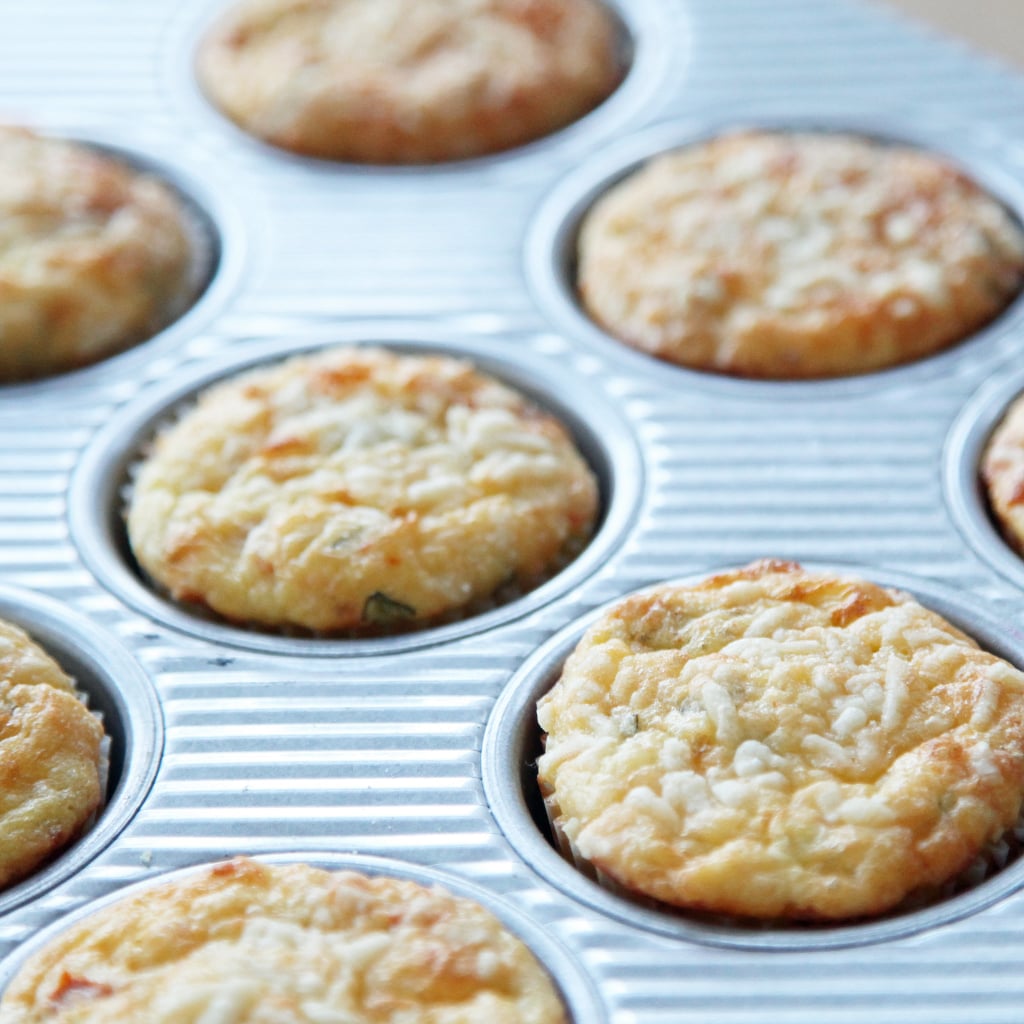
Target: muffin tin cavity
column 214, row 232
column 512, row 744
column 644, row 63
column 550, row 256
column 101, row 483
column 965, row 491
column 575, row 988
column 118, row 689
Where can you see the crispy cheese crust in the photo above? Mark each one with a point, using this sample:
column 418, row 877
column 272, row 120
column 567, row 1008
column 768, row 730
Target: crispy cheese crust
column 781, row 256
column 408, row 81
column 247, row 943
column 781, row 745
column 356, row 488
column 1002, row 473
column 94, row 256
column 50, row 749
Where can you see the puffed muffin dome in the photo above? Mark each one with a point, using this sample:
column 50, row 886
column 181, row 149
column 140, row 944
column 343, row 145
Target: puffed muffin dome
column 796, row 255
column 408, row 81
column 355, row 489
column 778, row 744
column 52, row 758
column 252, row 943
column 95, row 255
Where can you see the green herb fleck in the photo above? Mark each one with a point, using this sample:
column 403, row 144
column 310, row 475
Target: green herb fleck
column 383, row 610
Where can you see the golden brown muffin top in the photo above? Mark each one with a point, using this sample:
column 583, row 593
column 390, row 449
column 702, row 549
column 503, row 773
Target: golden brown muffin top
column 797, row 255
column 776, row 743
column 94, row 255
column 50, row 749
column 1002, row 473
column 357, row 488
column 250, row 943
column 408, row 81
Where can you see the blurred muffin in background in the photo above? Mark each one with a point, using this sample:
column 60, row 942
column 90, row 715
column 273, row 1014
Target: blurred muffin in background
column 797, row 255
column 408, row 81
column 95, row 256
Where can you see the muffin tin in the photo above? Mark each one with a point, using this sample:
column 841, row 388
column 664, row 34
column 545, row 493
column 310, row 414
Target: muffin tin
column 412, row 748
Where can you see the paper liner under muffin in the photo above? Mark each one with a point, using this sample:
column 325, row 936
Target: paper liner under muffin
column 570, row 852
column 993, row 857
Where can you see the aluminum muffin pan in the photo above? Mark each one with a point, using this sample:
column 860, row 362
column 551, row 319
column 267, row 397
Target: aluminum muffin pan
column 218, row 248
column 102, row 478
column 118, row 689
column 550, row 256
column 513, row 742
column 574, row 986
column 278, row 746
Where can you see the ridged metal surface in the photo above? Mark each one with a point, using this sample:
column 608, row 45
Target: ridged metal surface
column 381, row 753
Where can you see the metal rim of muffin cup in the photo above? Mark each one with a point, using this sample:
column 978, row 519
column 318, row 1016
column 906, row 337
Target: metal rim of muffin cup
column 118, row 688
column 573, row 984
column 550, row 246
column 216, row 225
column 511, row 745
column 961, row 472
column 643, row 27
column 98, row 485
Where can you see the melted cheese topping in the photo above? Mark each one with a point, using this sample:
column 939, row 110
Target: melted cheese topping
column 772, row 255
column 244, row 943
column 777, row 744
column 358, row 488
